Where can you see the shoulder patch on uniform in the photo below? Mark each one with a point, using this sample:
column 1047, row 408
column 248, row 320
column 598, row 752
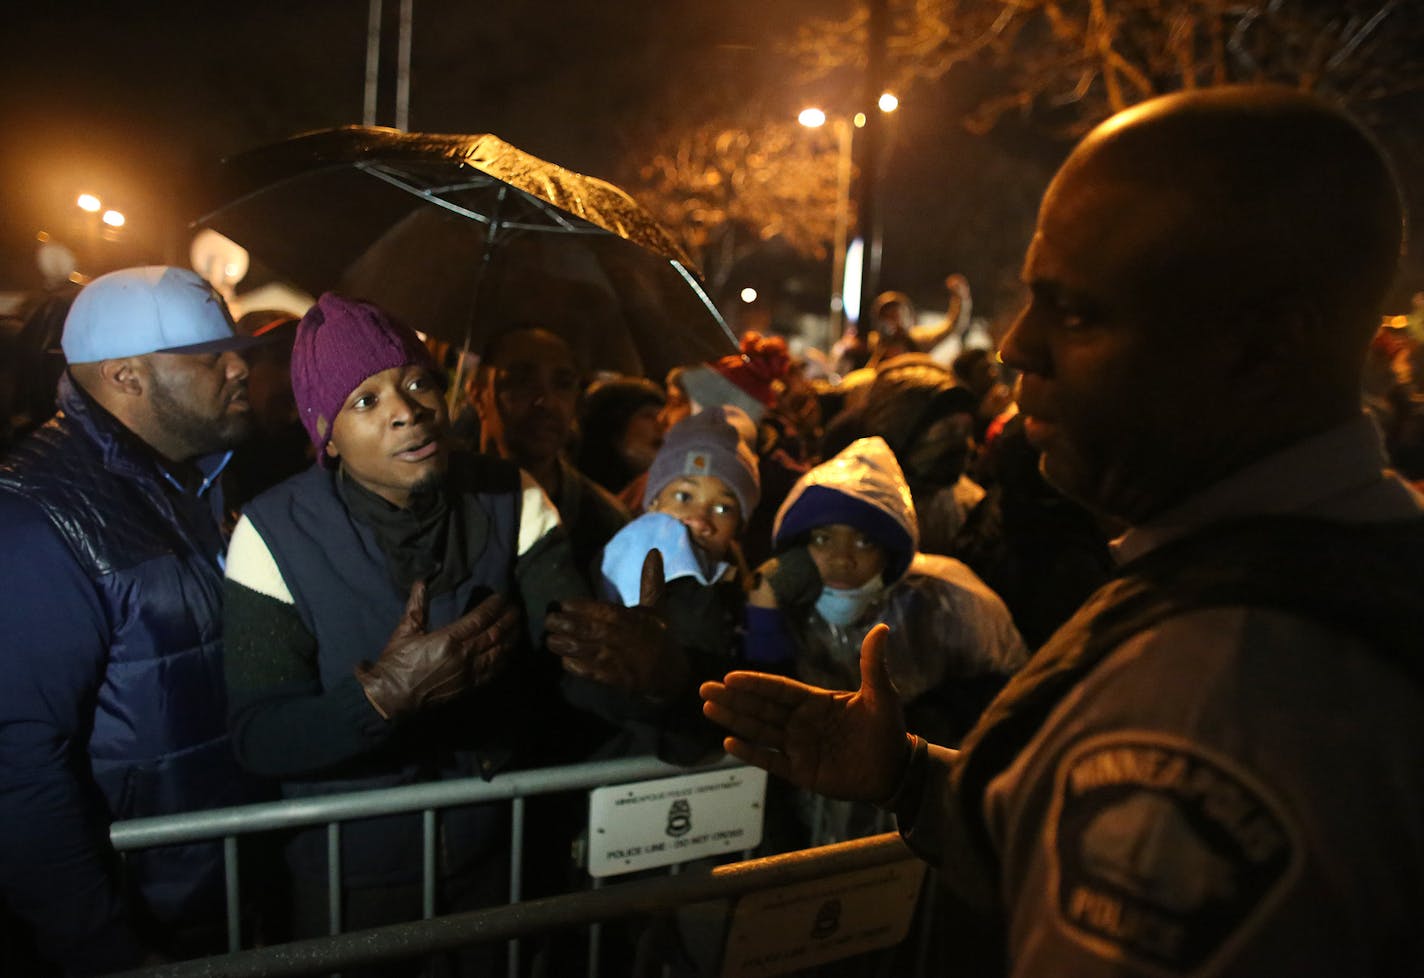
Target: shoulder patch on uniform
column 1161, row 852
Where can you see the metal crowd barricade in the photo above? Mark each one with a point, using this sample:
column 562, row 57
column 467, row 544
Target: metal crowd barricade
column 648, row 896
column 427, row 798
column 511, row 922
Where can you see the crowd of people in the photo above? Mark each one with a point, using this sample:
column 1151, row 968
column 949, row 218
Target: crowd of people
column 277, row 558
column 282, row 557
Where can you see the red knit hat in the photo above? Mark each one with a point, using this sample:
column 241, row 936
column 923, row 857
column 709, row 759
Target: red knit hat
column 751, row 380
column 759, row 368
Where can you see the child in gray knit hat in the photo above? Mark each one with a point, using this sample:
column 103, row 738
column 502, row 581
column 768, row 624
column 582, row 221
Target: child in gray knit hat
column 700, row 489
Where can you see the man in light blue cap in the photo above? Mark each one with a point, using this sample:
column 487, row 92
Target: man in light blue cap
column 110, row 630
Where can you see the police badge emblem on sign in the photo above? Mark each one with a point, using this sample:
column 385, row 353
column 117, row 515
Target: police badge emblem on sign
column 1163, row 852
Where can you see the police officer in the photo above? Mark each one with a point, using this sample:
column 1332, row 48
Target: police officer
column 1217, row 766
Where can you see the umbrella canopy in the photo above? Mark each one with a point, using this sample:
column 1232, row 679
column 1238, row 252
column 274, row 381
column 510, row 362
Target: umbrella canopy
column 463, row 236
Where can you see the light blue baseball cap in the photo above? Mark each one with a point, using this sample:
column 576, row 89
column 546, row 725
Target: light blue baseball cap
column 153, row 309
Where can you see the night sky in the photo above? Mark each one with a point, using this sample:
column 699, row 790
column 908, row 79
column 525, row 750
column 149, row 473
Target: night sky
column 139, row 106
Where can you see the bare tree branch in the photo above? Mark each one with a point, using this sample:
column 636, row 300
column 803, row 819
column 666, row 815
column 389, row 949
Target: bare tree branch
column 1098, row 56
column 724, row 187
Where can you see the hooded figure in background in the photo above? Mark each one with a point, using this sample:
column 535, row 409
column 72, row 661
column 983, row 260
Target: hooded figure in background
column 928, row 422
column 621, row 429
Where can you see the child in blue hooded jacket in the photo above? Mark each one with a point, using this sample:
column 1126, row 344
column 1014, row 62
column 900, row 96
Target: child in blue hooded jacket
column 846, row 559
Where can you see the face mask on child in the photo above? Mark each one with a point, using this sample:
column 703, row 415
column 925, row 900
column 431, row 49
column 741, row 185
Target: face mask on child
column 844, row 606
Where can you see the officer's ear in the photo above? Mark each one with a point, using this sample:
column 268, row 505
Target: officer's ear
column 1270, row 343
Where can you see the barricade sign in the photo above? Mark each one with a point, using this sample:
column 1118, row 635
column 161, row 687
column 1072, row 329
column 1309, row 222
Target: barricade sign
column 806, row 924
column 674, row 820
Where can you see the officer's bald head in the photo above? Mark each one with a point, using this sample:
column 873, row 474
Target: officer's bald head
column 1206, row 274
column 1252, row 201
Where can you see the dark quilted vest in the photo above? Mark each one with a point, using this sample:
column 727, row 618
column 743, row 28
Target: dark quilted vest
column 339, row 578
column 159, row 739
column 1364, row 580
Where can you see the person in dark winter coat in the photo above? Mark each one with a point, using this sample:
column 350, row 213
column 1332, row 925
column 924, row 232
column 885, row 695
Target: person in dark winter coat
column 112, row 701
column 1040, row 551
column 620, row 431
column 384, row 608
column 526, row 393
column 928, row 421
column 279, row 447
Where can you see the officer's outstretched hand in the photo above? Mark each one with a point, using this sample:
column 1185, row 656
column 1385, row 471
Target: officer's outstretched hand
column 629, row 648
column 418, row 668
column 843, row 745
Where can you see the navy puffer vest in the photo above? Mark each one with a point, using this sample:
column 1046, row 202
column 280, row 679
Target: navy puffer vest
column 159, row 740
column 341, row 584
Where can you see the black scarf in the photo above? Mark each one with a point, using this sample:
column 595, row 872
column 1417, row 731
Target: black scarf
column 425, row 541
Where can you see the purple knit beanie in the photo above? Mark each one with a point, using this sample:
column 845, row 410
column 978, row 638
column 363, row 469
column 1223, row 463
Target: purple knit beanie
column 708, row 443
column 340, row 342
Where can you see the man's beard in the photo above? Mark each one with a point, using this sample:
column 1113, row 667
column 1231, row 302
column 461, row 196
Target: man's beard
column 201, row 435
column 430, row 482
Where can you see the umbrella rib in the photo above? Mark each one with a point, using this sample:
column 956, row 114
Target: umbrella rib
column 431, row 195
column 592, row 230
column 394, row 181
column 547, row 208
column 560, row 218
column 696, row 287
column 467, row 185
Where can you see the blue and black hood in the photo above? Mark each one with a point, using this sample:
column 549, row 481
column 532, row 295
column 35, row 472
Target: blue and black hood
column 862, row 487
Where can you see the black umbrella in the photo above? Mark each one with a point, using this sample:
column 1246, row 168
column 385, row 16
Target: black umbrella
column 462, row 236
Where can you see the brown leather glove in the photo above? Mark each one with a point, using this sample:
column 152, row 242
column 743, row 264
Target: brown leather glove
column 418, row 668
column 629, row 648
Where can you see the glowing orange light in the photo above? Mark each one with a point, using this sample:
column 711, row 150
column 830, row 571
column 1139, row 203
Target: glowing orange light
column 812, row 118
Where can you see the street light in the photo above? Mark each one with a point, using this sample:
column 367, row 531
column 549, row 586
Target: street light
column 813, row 118
column 96, row 226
